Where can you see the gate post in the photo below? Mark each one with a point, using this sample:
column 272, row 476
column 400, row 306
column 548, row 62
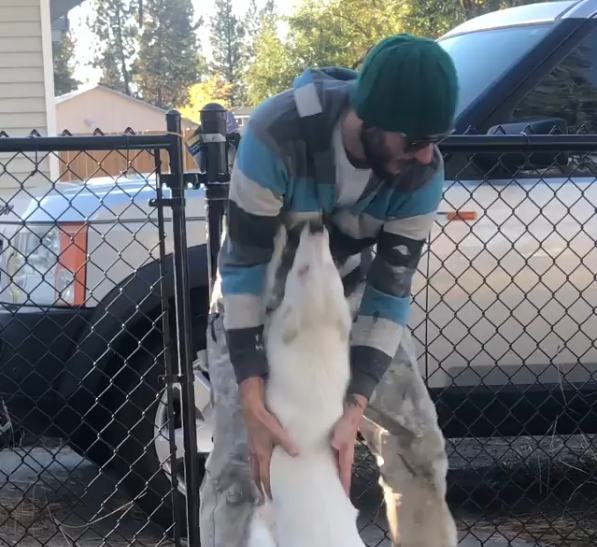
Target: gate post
column 217, row 176
column 183, row 326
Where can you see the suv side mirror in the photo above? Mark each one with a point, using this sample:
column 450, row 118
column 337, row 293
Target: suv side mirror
column 509, row 164
column 542, row 126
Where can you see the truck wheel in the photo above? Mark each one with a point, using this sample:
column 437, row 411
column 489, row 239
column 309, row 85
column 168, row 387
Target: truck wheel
column 140, row 433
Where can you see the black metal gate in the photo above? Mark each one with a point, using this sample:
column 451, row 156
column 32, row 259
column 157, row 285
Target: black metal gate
column 98, row 341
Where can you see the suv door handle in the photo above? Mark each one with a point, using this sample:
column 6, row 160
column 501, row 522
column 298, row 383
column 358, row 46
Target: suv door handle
column 461, row 215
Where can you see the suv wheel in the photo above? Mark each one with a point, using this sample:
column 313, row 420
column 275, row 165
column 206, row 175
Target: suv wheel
column 203, row 425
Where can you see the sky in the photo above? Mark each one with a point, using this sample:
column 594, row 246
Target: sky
column 85, row 43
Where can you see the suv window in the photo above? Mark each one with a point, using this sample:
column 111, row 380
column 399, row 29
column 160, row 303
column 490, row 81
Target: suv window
column 568, row 92
column 502, row 48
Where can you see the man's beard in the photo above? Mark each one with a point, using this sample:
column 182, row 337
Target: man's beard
column 411, row 174
column 376, row 154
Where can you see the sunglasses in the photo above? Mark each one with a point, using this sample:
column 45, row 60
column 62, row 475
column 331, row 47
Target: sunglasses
column 414, row 144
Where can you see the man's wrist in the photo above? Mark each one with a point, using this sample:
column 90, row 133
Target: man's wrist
column 252, row 393
column 357, row 400
column 354, row 406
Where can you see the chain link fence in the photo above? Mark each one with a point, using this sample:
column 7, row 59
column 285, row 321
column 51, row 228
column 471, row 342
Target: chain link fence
column 518, row 349
column 506, row 324
column 95, row 378
column 103, row 286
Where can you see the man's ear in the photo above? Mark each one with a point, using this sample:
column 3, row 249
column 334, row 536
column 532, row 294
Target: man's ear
column 291, row 323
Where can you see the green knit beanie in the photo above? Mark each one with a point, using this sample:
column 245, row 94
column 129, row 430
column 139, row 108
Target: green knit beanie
column 407, row 84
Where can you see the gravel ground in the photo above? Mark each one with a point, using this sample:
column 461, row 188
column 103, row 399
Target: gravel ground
column 529, row 491
column 51, row 496
column 542, row 490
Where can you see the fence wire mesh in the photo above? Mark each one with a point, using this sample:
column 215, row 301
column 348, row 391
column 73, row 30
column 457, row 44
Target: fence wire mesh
column 91, row 395
column 504, row 315
column 505, row 320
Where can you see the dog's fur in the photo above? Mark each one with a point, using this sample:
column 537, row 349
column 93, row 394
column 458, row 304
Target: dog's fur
column 307, row 344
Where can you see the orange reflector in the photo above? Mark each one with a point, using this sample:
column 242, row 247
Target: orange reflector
column 462, row 215
column 73, row 258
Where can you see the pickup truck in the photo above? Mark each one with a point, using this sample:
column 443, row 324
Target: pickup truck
column 504, row 304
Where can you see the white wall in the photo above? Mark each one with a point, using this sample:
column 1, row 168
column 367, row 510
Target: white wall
column 26, row 85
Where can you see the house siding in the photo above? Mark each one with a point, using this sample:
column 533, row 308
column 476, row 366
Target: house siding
column 25, row 48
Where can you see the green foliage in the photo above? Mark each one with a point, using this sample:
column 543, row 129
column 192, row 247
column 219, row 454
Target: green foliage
column 254, row 20
column 234, row 42
column 117, row 30
column 228, row 42
column 271, row 70
column 340, row 32
column 213, row 89
column 63, row 57
column 169, row 60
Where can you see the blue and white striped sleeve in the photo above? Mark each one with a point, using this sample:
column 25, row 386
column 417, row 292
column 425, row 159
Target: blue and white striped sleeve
column 257, row 189
column 385, row 306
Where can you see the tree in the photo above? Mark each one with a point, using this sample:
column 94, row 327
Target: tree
column 213, row 89
column 227, row 39
column 168, row 60
column 64, row 57
column 320, row 34
column 255, row 19
column 434, row 17
column 340, row 32
column 272, row 69
column 117, row 31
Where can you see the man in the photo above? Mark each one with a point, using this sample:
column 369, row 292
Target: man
column 360, row 151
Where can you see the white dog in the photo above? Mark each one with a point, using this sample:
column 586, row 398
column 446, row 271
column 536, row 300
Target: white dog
column 307, row 344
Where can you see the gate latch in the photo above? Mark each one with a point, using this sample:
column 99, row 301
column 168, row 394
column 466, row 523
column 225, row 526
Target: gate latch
column 167, row 202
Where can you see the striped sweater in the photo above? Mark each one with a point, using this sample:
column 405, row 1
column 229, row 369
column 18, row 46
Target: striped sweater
column 284, row 172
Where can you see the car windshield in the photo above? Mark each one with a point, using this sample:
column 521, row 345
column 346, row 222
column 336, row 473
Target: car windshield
column 481, row 57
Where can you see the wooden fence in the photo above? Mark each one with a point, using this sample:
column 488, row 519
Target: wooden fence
column 84, row 165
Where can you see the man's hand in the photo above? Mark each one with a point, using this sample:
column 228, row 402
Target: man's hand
column 264, row 432
column 344, row 435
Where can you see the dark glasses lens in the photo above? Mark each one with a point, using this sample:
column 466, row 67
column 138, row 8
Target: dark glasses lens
column 412, row 145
